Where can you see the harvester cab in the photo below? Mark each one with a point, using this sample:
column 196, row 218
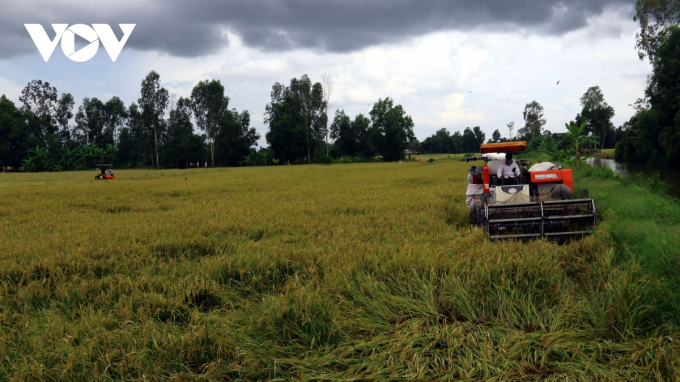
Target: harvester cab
column 535, row 203
column 104, row 172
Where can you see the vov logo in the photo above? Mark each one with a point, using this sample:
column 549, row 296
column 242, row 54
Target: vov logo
column 67, row 34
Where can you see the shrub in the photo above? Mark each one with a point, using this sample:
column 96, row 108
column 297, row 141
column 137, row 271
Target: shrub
column 324, row 159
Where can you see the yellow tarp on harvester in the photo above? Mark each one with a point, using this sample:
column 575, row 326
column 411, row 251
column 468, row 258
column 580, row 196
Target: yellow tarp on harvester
column 503, row 147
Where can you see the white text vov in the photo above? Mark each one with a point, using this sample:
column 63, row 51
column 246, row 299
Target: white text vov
column 94, row 34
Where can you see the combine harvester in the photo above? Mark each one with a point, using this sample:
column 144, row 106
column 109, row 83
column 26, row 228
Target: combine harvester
column 541, row 205
column 102, row 175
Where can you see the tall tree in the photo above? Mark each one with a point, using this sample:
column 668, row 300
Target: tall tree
column 470, row 143
column 664, row 95
column 209, row 105
column 311, row 103
column 345, row 138
column 655, row 17
column 141, row 138
column 286, row 135
column 654, row 133
column 294, row 117
column 183, row 146
column 63, row 113
column 457, row 142
column 317, row 124
column 496, row 136
column 533, row 120
column 153, row 102
column 19, row 131
column 365, row 136
column 439, row 142
column 115, row 115
column 90, row 124
column 480, row 136
column 125, row 149
column 597, row 112
column 395, row 127
column 327, row 83
column 511, row 128
column 42, row 99
column 234, row 138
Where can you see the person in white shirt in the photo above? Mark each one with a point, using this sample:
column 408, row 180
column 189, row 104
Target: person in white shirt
column 509, row 169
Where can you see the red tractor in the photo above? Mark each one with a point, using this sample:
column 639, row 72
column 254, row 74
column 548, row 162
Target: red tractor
column 537, row 204
column 103, row 174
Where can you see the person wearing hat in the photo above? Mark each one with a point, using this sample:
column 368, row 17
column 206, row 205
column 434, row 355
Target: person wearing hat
column 509, row 169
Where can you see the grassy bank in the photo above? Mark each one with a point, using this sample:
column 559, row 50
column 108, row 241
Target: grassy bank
column 362, row 271
column 643, row 223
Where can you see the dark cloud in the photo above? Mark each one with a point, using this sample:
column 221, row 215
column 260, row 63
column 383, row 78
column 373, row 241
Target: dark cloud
column 196, row 28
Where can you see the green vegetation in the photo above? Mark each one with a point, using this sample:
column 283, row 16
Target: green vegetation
column 577, row 140
column 653, row 133
column 361, row 271
column 444, row 142
column 388, row 133
column 594, row 118
column 644, row 223
column 36, row 136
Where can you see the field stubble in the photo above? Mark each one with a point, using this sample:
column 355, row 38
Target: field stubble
column 363, row 271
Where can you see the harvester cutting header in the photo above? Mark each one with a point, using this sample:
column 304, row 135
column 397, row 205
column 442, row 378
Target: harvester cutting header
column 512, row 202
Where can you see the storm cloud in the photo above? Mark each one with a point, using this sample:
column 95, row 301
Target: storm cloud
column 199, row 28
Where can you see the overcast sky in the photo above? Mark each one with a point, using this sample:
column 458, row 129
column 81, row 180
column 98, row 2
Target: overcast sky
column 450, row 64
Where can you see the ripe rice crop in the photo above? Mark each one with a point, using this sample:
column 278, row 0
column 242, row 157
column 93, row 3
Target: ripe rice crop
column 361, row 271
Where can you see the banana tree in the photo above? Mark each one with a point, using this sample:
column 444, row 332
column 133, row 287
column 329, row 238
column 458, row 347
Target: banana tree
column 79, row 160
column 266, row 156
column 91, row 154
column 39, row 159
column 247, row 159
column 109, row 151
column 87, row 154
column 42, row 157
column 577, row 140
column 29, row 164
column 69, row 157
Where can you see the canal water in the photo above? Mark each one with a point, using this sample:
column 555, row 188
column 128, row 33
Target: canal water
column 667, row 175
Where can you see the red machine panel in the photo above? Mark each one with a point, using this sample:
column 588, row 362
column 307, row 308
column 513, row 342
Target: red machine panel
column 568, row 179
column 556, row 176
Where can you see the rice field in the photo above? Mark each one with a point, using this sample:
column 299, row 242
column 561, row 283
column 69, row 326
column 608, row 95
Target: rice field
column 344, row 272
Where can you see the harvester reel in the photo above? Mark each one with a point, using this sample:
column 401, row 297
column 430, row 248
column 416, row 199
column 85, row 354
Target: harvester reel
column 558, row 219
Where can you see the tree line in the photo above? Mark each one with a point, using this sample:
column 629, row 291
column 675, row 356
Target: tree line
column 653, row 133
column 298, row 123
column 38, row 135
column 595, row 113
column 163, row 130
